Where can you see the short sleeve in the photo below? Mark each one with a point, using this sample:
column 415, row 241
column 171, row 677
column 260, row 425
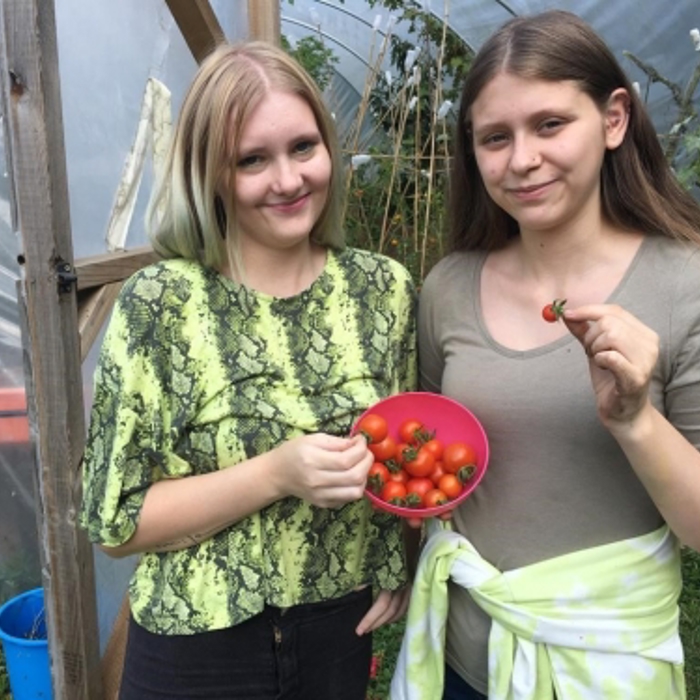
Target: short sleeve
column 683, row 390
column 137, row 417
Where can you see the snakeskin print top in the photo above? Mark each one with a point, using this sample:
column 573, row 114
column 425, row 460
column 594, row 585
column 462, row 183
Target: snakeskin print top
column 195, row 371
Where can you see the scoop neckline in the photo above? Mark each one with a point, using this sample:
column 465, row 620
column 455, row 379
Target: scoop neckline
column 271, row 298
column 554, row 344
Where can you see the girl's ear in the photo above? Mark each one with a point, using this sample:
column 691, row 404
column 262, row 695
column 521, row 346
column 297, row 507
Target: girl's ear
column 617, row 117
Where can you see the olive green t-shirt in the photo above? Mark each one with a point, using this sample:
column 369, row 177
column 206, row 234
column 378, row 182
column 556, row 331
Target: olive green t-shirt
column 197, row 371
column 557, row 481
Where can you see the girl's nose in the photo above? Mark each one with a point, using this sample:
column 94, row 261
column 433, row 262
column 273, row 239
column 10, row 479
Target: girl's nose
column 287, row 177
column 525, row 155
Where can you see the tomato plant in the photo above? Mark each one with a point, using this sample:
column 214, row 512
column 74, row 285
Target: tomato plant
column 374, row 427
column 553, row 312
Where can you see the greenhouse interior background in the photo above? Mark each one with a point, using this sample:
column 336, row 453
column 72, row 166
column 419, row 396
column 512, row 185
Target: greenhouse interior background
column 390, row 72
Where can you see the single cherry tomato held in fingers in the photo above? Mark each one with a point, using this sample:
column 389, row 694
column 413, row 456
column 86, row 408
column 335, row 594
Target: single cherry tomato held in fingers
column 553, row 312
column 374, row 427
column 458, row 455
column 383, row 450
column 419, row 462
column 393, row 492
column 377, row 476
column 416, row 489
column 450, row 485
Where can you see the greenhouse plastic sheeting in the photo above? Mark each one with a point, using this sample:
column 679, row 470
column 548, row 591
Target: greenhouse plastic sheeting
column 107, row 52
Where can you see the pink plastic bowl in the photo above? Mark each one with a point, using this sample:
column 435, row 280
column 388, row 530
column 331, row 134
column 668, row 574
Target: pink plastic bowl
column 450, row 420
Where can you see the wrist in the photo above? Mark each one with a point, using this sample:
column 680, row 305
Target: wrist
column 634, row 430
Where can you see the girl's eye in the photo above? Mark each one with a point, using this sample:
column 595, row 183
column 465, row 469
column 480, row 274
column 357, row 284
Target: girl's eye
column 551, row 124
column 249, row 161
column 305, row 147
column 494, row 139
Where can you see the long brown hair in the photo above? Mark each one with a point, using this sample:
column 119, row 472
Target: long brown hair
column 639, row 191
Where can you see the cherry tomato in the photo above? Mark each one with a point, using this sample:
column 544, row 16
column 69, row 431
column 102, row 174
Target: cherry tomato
column 393, row 492
column 438, row 471
column 377, row 476
column 435, row 447
column 419, row 462
column 416, row 489
column 412, row 431
column 374, row 427
column 398, row 475
column 383, row 450
column 552, row 312
column 450, row 485
column 433, row 498
column 458, row 455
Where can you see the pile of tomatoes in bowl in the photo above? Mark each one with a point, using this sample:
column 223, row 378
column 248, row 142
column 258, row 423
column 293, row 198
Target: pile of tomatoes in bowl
column 430, row 454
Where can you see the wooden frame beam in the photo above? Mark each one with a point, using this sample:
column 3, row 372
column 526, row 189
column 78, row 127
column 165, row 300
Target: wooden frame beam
column 33, row 125
column 198, row 24
column 97, row 270
column 264, row 20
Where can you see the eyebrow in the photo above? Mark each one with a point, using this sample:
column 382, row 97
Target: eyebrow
column 537, row 116
column 313, row 135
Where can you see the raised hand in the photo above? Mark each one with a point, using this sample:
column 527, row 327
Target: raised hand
column 622, row 354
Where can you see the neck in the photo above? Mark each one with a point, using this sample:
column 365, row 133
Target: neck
column 279, row 272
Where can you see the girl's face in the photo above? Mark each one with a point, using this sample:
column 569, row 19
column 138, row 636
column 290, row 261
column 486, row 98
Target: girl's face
column 282, row 172
column 539, row 147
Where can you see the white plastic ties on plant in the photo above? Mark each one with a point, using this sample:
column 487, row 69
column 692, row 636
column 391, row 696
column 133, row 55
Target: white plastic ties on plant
column 695, row 36
column 360, row 159
column 411, row 56
column 637, row 88
column 444, row 108
column 377, row 22
column 391, row 22
column 388, row 77
column 412, row 103
column 155, row 122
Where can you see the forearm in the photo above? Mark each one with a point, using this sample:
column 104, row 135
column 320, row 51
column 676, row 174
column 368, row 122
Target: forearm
column 668, row 467
column 179, row 513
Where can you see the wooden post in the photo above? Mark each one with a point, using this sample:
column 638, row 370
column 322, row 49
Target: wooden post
column 34, row 135
column 198, row 25
column 264, row 20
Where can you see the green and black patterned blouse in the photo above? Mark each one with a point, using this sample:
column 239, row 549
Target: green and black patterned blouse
column 197, row 371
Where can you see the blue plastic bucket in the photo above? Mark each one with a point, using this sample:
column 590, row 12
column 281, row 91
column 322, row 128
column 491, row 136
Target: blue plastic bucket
column 26, row 648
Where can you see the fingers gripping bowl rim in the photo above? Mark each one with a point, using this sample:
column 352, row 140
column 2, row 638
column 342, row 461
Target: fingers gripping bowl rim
column 451, row 421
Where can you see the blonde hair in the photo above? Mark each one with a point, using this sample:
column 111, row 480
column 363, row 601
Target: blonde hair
column 186, row 217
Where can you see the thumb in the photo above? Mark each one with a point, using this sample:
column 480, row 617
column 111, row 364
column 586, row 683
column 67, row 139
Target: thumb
column 577, row 328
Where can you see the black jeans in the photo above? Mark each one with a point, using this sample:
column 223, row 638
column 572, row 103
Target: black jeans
column 456, row 688
column 308, row 652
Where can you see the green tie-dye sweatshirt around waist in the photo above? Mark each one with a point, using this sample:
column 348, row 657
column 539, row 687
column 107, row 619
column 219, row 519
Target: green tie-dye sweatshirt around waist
column 197, row 371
